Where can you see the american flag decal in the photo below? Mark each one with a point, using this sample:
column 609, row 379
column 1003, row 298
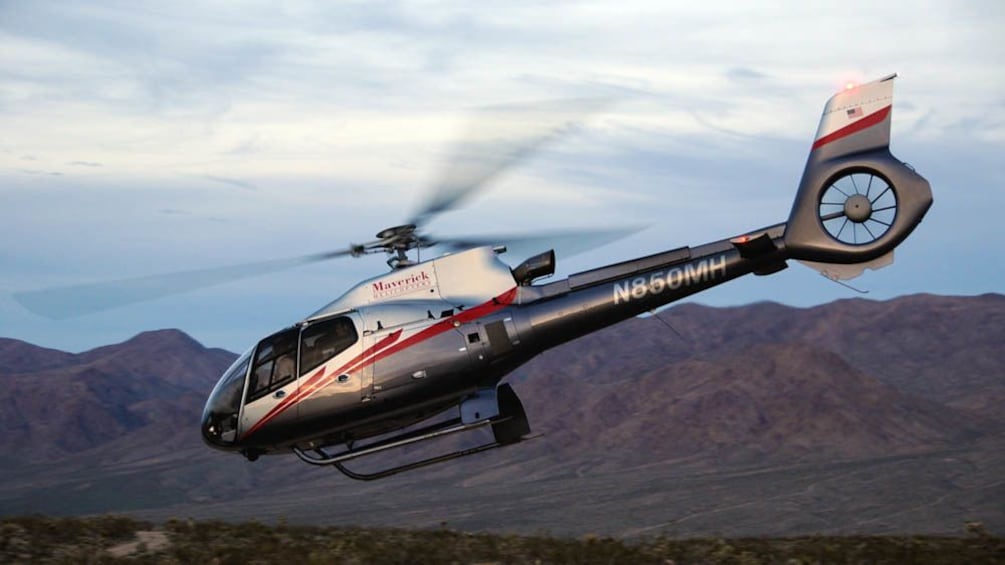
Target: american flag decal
column 855, row 113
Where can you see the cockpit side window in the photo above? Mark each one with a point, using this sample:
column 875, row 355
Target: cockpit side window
column 275, row 363
column 323, row 340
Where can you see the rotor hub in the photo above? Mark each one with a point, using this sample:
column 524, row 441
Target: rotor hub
column 404, row 231
column 858, row 208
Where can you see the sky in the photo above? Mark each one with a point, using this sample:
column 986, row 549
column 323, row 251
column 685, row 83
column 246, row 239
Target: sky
column 139, row 138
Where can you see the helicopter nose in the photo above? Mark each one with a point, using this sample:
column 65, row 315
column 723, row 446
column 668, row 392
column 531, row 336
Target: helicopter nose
column 220, row 433
column 219, row 429
column 220, row 417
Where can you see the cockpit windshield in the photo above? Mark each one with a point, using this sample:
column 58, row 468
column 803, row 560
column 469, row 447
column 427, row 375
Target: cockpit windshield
column 275, row 363
column 219, row 419
column 268, row 367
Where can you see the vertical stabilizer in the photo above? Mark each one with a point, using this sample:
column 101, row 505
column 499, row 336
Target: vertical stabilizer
column 856, row 201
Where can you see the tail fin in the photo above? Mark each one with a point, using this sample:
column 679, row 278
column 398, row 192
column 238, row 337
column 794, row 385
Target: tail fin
column 856, row 201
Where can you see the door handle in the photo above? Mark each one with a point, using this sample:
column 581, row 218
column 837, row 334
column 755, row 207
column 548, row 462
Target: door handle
column 279, row 394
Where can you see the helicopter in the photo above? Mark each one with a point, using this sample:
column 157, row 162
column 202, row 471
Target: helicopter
column 420, row 352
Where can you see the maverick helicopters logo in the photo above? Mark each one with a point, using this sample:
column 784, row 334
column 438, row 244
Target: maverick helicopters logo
column 397, row 286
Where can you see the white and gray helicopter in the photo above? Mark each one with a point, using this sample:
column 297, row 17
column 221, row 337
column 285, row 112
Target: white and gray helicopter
column 431, row 341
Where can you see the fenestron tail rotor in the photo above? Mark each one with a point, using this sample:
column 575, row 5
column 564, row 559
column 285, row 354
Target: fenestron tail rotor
column 858, row 208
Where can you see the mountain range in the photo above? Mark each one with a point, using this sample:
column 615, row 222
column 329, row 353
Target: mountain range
column 854, row 416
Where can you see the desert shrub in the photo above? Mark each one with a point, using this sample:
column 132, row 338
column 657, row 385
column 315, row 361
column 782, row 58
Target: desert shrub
column 32, row 539
column 37, row 539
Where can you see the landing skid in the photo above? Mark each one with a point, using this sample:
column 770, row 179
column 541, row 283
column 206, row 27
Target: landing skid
column 508, row 428
column 417, row 465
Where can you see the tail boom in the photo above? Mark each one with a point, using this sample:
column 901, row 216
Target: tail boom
column 852, row 139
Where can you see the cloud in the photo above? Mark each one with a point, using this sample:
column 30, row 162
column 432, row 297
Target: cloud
column 232, row 182
column 247, row 147
column 744, row 74
column 38, row 172
column 339, row 115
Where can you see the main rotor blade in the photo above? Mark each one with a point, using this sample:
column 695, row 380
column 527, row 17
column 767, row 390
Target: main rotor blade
column 520, row 246
column 498, row 138
column 77, row 300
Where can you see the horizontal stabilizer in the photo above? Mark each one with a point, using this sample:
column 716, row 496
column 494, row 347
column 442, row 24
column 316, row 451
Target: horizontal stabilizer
column 844, row 272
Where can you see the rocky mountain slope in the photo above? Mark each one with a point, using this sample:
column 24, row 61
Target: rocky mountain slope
column 735, row 401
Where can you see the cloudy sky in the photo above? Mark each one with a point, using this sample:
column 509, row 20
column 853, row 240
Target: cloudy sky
column 140, row 138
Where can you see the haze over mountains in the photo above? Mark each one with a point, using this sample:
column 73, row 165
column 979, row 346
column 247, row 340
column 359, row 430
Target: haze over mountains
column 855, row 416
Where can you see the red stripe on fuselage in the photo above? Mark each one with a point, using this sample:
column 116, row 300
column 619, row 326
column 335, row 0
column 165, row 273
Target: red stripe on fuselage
column 463, row 317
column 383, row 349
column 854, row 127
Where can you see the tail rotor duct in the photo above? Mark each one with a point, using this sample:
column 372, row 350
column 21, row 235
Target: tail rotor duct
column 858, row 207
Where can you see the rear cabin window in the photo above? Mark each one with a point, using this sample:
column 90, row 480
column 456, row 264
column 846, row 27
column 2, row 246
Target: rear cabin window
column 321, row 341
column 275, row 363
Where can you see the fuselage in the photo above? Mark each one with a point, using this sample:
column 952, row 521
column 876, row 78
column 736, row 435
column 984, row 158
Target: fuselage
column 402, row 347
